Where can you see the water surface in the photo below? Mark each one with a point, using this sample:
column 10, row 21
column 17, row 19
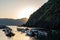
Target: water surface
column 18, row 35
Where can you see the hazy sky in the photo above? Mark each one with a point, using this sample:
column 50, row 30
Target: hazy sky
column 14, row 8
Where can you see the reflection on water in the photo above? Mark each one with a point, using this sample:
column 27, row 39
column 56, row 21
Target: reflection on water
column 18, row 35
column 29, row 34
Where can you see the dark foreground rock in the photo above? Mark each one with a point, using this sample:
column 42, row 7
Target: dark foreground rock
column 44, row 35
column 8, row 31
column 10, row 34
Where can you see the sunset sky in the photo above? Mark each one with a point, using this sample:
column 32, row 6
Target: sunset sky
column 17, row 9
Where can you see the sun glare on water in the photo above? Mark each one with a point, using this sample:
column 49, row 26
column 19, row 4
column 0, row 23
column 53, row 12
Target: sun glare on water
column 26, row 12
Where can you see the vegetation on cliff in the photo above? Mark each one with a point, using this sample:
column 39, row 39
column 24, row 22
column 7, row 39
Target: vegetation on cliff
column 48, row 16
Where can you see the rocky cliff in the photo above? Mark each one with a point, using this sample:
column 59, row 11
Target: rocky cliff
column 48, row 16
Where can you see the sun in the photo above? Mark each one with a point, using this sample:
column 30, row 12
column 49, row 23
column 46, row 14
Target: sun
column 26, row 12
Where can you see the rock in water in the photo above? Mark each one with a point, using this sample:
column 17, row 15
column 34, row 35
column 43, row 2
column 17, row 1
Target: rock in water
column 48, row 16
column 10, row 34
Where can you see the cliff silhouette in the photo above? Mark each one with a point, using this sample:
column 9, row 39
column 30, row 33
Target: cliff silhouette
column 48, row 16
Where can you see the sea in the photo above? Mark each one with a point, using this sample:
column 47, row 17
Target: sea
column 18, row 35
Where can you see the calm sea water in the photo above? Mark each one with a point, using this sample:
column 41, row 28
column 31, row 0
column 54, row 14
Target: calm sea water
column 18, row 35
